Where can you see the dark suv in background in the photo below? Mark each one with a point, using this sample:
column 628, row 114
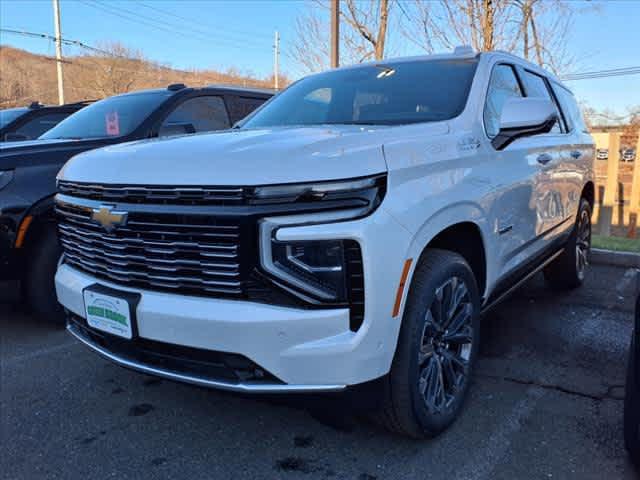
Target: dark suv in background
column 29, row 249
column 28, row 123
column 632, row 392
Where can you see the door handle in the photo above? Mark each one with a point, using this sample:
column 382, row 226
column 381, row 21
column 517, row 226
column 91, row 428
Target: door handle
column 544, row 158
column 576, row 154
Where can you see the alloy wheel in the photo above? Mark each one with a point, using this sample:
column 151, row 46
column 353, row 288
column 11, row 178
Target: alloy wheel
column 446, row 345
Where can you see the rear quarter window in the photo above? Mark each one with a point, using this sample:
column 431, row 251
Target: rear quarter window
column 570, row 107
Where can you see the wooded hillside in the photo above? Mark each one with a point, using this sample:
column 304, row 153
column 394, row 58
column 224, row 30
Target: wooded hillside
column 27, row 77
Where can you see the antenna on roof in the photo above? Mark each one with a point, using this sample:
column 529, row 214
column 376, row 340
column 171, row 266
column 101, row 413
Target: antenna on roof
column 174, row 87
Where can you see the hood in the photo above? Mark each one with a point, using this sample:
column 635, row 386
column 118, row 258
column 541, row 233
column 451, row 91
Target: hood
column 37, row 152
column 236, row 157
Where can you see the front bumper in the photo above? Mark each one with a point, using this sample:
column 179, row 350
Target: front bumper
column 308, row 350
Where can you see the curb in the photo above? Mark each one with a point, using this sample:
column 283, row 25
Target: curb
column 618, row 259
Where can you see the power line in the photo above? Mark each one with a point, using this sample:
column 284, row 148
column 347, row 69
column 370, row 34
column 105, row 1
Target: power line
column 615, row 72
column 202, row 24
column 163, row 25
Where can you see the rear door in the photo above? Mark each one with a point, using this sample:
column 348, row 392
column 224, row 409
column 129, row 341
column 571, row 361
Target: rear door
column 551, row 154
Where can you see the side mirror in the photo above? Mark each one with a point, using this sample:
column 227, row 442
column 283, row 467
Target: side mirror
column 176, row 129
column 15, row 137
column 522, row 117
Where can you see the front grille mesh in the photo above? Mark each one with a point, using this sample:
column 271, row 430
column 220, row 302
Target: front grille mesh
column 192, row 253
column 160, row 195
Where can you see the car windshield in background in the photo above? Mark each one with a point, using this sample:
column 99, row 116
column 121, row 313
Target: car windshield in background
column 9, row 115
column 391, row 93
column 111, row 117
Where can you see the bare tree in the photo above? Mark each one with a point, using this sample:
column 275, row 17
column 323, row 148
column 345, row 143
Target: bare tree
column 363, row 33
column 536, row 29
column 115, row 70
column 442, row 24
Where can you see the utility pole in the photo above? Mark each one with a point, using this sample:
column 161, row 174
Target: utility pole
column 276, row 58
column 56, row 21
column 335, row 33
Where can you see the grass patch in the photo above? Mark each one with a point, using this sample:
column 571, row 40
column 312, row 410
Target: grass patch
column 619, row 244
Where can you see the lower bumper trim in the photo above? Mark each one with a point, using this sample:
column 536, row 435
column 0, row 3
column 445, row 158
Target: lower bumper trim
column 200, row 381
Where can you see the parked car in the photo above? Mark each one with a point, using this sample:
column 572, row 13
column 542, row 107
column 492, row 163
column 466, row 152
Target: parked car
column 628, row 155
column 28, row 123
column 632, row 394
column 349, row 233
column 29, row 250
column 602, row 153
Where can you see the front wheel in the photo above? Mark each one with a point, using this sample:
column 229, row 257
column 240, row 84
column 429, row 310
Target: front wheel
column 430, row 373
column 39, row 287
column 569, row 269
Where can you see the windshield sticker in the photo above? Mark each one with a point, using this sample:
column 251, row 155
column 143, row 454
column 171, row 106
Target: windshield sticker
column 112, row 123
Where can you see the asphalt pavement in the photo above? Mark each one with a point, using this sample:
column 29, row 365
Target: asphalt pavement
column 546, row 402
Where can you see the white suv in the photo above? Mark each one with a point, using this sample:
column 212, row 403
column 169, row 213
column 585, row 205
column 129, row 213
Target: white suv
column 353, row 229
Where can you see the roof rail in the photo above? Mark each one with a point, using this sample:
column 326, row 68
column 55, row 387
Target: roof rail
column 174, row 87
column 464, row 50
column 35, row 105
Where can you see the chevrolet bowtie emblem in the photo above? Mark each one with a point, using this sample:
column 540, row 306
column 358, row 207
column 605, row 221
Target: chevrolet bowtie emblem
column 108, row 218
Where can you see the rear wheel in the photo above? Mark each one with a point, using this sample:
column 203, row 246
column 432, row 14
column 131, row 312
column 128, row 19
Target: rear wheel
column 431, row 370
column 39, row 286
column 569, row 269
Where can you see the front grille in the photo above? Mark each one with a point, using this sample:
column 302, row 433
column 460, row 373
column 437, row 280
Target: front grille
column 160, row 195
column 208, row 364
column 189, row 253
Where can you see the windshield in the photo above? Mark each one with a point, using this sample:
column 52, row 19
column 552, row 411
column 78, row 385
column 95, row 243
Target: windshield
column 9, row 115
column 111, row 117
column 384, row 94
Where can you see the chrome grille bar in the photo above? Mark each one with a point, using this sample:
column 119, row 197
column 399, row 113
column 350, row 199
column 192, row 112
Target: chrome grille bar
column 165, row 250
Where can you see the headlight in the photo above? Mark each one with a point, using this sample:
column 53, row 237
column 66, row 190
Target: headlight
column 318, row 271
column 316, row 267
column 365, row 191
column 5, row 178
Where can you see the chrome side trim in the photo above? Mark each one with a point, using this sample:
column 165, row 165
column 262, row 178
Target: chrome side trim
column 203, row 382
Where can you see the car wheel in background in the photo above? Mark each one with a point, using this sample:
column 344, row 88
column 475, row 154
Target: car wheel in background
column 569, row 269
column 39, row 288
column 437, row 346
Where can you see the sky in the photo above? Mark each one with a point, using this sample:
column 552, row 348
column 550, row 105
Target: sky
column 220, row 34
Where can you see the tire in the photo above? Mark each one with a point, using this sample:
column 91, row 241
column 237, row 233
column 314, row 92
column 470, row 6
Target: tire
column 416, row 402
column 568, row 270
column 39, row 287
column 632, row 406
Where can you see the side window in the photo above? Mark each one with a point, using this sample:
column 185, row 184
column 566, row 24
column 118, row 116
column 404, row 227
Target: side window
column 40, row 124
column 573, row 114
column 502, row 86
column 198, row 114
column 537, row 87
column 240, row 107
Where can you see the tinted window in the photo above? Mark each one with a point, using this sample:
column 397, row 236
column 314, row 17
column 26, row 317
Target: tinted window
column 10, row 114
column 572, row 113
column 385, row 94
column 199, row 114
column 502, row 86
column 40, row 124
column 240, row 107
column 111, row 117
column 537, row 87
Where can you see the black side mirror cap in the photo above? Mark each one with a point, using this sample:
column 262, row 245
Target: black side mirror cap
column 507, row 135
